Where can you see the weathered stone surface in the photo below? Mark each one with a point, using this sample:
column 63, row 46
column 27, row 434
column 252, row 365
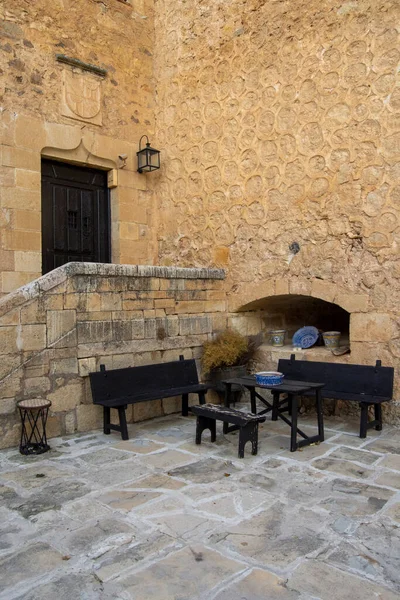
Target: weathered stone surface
column 259, row 585
column 324, row 581
column 205, row 471
column 276, row 537
column 186, row 568
column 70, row 585
column 21, row 566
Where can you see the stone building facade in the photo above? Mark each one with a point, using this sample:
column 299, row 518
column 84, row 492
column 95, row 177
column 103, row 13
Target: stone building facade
column 279, row 126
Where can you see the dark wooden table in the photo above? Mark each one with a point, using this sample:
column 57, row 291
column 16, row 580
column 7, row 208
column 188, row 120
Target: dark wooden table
column 289, row 404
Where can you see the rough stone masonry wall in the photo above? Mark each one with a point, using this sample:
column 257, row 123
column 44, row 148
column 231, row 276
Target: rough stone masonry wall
column 57, row 329
column 46, row 109
column 280, row 122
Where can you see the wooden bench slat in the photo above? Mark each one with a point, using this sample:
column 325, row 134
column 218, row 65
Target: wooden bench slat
column 228, row 415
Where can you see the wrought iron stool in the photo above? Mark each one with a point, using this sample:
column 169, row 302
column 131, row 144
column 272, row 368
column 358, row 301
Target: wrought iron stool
column 33, row 417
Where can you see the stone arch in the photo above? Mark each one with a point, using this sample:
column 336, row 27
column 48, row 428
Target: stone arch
column 247, row 296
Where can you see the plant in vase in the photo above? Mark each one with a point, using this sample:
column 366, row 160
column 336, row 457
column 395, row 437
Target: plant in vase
column 227, row 355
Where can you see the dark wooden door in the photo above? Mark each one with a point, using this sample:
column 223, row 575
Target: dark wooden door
column 75, row 215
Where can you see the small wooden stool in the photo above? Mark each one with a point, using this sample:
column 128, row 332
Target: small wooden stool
column 246, row 423
column 33, row 414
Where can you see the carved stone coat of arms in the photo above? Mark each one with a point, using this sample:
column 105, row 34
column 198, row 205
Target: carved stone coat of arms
column 81, row 97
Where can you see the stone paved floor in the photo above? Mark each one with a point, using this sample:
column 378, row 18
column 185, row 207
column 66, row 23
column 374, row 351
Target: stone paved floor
column 158, row 517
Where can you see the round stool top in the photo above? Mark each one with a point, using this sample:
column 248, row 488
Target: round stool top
column 34, row 403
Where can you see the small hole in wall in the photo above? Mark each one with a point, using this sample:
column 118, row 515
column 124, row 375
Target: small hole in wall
column 294, row 247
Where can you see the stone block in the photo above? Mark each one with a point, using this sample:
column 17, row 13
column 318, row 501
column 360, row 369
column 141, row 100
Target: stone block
column 30, row 180
column 33, row 313
column 79, row 301
column 28, row 220
column 215, row 306
column 10, row 386
column 190, row 307
column 17, row 197
column 30, row 133
column 36, row 386
column 64, row 366
column 22, row 240
column 7, row 406
column 66, row 397
column 150, row 329
column 353, row 303
column 46, row 560
column 12, row 281
column 300, row 287
column 86, row 366
column 94, row 331
column 59, row 324
column 137, row 329
column 172, row 405
column 31, row 337
column 12, row 317
column 147, row 410
column 70, row 422
column 194, row 325
column 28, row 261
column 324, row 290
column 172, row 326
column 122, row 330
column 371, row 327
column 164, row 303
column 109, row 301
column 89, row 416
column 20, row 158
column 122, row 361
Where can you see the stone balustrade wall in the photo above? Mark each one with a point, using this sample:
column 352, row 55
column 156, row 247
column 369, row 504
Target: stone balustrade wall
column 59, row 328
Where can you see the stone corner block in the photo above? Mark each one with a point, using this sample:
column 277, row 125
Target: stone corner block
column 370, row 327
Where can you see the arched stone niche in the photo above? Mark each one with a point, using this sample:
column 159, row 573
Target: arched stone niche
column 292, row 311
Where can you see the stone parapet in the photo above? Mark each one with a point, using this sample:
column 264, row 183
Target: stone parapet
column 62, row 326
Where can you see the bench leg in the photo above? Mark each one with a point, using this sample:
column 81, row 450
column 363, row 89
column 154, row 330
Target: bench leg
column 205, row 423
column 185, row 405
column 248, row 433
column 320, row 415
column 292, row 400
column 122, row 422
column 363, row 419
column 202, row 397
column 106, row 420
column 378, row 416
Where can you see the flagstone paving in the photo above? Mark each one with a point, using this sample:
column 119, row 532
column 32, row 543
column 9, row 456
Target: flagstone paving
column 159, row 517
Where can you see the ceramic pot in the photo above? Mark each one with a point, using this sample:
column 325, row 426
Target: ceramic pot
column 331, row 339
column 277, row 337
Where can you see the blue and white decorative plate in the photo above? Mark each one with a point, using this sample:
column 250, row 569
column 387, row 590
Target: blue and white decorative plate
column 305, row 337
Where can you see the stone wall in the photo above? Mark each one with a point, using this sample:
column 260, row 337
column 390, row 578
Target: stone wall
column 57, row 329
column 279, row 122
column 55, row 110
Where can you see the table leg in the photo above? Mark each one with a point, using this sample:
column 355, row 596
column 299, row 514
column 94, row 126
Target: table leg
column 292, row 399
column 253, row 400
column 320, row 414
column 275, row 406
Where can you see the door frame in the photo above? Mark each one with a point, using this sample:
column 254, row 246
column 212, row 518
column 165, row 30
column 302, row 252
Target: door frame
column 106, row 189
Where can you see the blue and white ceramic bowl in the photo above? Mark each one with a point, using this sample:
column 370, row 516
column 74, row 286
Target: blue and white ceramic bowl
column 269, row 378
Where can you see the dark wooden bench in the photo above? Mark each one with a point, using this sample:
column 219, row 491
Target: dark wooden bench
column 117, row 388
column 247, row 423
column 368, row 385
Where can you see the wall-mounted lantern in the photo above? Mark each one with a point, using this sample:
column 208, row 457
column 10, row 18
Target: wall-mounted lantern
column 148, row 157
